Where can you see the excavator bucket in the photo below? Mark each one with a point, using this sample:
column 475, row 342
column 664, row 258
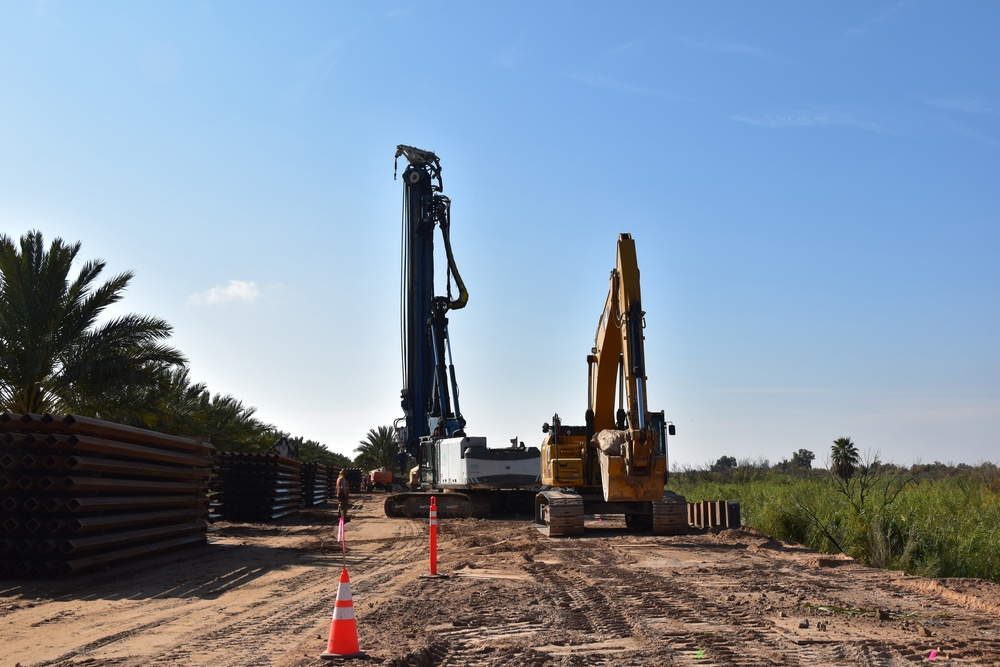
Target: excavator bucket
column 621, row 487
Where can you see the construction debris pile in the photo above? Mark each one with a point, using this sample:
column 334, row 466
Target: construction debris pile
column 80, row 493
column 258, row 487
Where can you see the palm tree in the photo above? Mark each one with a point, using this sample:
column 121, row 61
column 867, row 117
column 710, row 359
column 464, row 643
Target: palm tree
column 378, row 450
column 185, row 408
column 55, row 353
column 844, row 455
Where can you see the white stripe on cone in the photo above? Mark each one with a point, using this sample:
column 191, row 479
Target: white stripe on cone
column 344, row 609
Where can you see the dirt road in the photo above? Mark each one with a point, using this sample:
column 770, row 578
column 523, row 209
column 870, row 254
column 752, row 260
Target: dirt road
column 263, row 595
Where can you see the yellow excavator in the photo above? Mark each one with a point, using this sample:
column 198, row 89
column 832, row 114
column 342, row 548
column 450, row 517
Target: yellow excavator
column 616, row 463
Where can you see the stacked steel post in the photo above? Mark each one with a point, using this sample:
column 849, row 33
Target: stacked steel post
column 353, row 479
column 313, row 484
column 79, row 493
column 258, row 487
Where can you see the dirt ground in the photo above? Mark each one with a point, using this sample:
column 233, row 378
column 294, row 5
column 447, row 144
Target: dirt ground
column 264, row 595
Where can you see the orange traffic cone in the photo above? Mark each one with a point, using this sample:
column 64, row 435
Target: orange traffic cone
column 344, row 629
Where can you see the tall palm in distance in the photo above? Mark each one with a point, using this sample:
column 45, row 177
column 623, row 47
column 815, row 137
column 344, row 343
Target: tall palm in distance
column 844, row 458
column 56, row 354
column 182, row 407
column 378, row 450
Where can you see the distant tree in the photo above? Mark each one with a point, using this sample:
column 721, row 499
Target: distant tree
column 724, row 464
column 803, row 459
column 844, row 458
column 747, row 469
column 311, row 451
column 55, row 353
column 378, row 450
column 190, row 409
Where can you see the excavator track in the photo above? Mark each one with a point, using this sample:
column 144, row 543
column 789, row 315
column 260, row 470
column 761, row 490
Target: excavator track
column 670, row 515
column 417, row 505
column 559, row 513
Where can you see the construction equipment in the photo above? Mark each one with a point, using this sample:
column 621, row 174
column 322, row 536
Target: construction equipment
column 379, row 478
column 616, row 463
column 475, row 477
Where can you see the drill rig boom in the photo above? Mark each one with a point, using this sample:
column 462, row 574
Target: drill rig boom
column 476, row 476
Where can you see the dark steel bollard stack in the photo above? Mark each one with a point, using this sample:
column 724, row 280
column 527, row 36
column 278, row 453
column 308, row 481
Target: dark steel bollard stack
column 258, row 487
column 714, row 514
column 80, row 493
column 353, row 476
column 314, row 484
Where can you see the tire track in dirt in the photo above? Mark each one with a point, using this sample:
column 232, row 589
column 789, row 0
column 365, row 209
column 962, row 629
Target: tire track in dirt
column 263, row 595
column 307, row 598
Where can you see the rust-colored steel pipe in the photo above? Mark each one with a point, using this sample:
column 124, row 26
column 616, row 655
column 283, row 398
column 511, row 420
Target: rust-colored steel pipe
column 113, row 521
column 86, row 563
column 76, row 484
column 105, row 429
column 108, row 541
column 101, row 503
column 84, row 443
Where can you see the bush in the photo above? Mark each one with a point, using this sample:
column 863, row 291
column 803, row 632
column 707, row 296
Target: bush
column 945, row 523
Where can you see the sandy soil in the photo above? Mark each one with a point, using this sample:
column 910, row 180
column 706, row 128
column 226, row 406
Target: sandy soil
column 264, row 594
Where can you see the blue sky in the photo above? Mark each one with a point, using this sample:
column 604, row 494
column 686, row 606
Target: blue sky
column 811, row 186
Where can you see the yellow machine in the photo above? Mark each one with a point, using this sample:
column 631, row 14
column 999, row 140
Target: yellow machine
column 617, row 462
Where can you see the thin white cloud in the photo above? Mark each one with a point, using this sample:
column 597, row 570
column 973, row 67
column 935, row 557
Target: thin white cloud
column 866, row 26
column 625, row 48
column 733, row 48
column 961, row 103
column 810, row 118
column 599, row 81
column 769, row 390
column 239, row 291
column 513, row 55
column 319, row 66
column 970, row 133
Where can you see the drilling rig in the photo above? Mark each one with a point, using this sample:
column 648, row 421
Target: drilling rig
column 469, row 478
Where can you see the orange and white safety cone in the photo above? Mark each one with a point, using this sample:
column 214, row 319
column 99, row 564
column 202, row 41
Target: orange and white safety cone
column 344, row 629
column 434, row 543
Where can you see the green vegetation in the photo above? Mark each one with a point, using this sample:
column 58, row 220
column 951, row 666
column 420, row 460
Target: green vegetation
column 844, row 458
column 55, row 354
column 379, row 450
column 932, row 520
column 58, row 355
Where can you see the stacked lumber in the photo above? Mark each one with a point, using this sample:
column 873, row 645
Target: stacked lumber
column 258, row 487
column 78, row 493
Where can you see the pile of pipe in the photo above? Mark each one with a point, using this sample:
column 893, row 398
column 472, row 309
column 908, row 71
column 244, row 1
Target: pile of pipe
column 353, row 476
column 80, row 493
column 314, row 484
column 258, row 487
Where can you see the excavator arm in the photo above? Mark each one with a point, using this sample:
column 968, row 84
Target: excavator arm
column 617, row 359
